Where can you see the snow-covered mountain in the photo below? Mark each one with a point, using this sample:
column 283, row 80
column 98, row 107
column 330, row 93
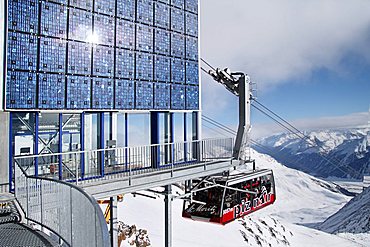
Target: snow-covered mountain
column 354, row 217
column 301, row 200
column 324, row 153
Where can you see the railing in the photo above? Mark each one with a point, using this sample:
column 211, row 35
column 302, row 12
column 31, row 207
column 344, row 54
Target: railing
column 82, row 165
column 62, row 208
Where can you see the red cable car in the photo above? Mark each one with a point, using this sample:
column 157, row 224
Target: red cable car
column 227, row 198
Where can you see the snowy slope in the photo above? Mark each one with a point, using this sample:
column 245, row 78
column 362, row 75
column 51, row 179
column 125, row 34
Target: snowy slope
column 301, row 199
column 354, row 217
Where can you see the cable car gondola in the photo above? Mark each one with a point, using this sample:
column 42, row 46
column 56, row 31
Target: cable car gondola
column 227, row 198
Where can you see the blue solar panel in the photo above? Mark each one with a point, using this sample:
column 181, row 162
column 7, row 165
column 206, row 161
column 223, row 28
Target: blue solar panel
column 102, row 93
column 53, row 20
column 103, row 63
column 191, row 5
column 51, row 91
column 162, row 96
column 104, row 29
column 145, row 11
column 192, row 72
column 125, row 94
column 125, row 54
column 177, row 45
column 126, row 9
column 83, row 4
column 162, row 68
column 192, row 97
column 21, row 90
column 105, row 6
column 177, row 20
column 191, row 48
column 125, row 63
column 178, row 3
column 144, row 38
column 162, row 15
column 78, row 92
column 22, row 51
column 79, row 60
column 177, row 97
column 178, row 71
column 144, row 95
column 80, row 24
column 52, row 55
column 162, row 42
column 144, row 66
column 191, row 24
column 23, row 15
column 125, row 36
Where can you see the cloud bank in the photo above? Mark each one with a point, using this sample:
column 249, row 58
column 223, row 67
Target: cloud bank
column 276, row 41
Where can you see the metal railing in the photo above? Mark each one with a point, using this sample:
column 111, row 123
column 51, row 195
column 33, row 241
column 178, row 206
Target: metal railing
column 62, row 208
column 83, row 165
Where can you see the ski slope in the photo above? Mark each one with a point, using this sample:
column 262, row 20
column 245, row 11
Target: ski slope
column 301, row 200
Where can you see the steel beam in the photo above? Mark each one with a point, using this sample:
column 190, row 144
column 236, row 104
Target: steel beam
column 113, row 222
column 168, row 216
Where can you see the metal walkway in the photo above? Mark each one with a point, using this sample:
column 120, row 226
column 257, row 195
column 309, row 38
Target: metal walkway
column 112, row 185
column 17, row 234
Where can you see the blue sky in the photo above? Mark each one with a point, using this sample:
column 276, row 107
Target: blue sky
column 310, row 59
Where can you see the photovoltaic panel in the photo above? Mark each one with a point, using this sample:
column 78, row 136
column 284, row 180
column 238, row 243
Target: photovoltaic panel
column 162, row 15
column 192, row 48
column 80, row 24
column 177, row 45
column 52, row 55
column 192, row 97
column 125, row 34
column 53, row 20
column 144, row 38
column 178, row 71
column 106, row 6
column 51, row 91
column 162, row 93
column 126, row 9
column 177, row 20
column 177, row 97
column 144, row 66
column 162, row 41
column 23, row 15
column 102, row 93
column 83, row 4
column 125, row 94
column 144, row 95
column 192, row 6
column 191, row 24
column 79, row 60
column 162, row 68
column 104, row 42
column 178, row 3
column 145, row 11
column 103, row 63
column 125, row 64
column 21, row 90
column 104, row 29
column 22, row 51
column 78, row 92
column 192, row 72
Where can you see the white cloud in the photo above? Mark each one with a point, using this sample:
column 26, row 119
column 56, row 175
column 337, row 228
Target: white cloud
column 276, row 41
column 329, row 122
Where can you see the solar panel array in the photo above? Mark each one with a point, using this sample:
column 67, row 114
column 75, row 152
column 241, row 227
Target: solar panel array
column 102, row 54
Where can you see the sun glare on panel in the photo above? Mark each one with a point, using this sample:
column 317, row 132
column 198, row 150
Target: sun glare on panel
column 93, row 38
